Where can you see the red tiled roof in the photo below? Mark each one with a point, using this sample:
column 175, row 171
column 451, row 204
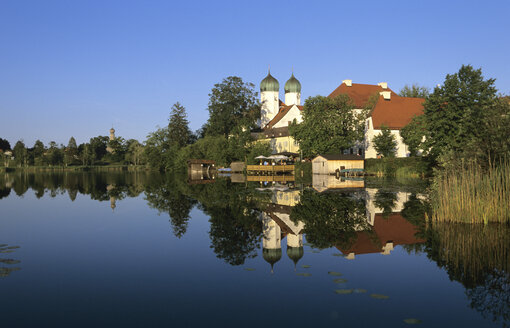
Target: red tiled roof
column 395, row 229
column 283, row 111
column 396, row 112
column 359, row 93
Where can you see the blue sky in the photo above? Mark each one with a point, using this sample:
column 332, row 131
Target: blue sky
column 74, row 68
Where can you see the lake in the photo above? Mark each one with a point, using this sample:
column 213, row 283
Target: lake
column 140, row 249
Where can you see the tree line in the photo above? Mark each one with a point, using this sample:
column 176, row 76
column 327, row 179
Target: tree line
column 94, row 152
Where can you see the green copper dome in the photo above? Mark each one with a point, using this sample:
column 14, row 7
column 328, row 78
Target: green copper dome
column 292, row 85
column 272, row 256
column 269, row 83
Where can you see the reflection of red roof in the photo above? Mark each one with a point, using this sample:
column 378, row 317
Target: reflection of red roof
column 281, row 114
column 393, row 229
column 359, row 93
column 396, row 112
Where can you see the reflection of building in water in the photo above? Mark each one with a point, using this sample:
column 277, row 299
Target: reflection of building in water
column 388, row 229
column 110, row 187
column 277, row 225
column 112, row 203
column 201, row 171
column 323, row 182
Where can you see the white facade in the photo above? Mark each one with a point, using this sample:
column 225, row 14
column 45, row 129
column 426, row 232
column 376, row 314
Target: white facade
column 370, row 133
column 270, row 106
column 293, row 114
column 292, row 98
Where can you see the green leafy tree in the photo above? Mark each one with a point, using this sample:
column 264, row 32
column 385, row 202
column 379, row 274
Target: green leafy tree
column 4, row 145
column 134, row 153
column 455, row 112
column 233, row 104
column 414, row 134
column 98, row 147
column 20, row 153
column 159, row 151
column 55, row 154
column 329, row 125
column 71, row 152
column 178, row 126
column 415, row 91
column 38, row 153
column 385, row 143
column 118, row 149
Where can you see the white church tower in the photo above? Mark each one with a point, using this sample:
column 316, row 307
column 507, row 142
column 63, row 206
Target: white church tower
column 269, row 98
column 292, row 91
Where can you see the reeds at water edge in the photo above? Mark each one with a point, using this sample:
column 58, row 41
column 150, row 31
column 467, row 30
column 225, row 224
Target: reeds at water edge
column 473, row 194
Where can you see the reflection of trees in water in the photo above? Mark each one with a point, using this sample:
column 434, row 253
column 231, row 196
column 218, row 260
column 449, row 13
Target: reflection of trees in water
column 4, row 192
column 331, row 218
column 95, row 184
column 235, row 229
column 492, row 299
column 6, row 264
column 386, row 200
column 168, row 199
column 478, row 256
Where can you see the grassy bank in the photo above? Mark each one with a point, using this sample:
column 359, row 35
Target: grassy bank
column 472, row 194
column 412, row 167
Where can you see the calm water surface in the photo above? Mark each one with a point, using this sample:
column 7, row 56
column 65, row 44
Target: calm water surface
column 150, row 250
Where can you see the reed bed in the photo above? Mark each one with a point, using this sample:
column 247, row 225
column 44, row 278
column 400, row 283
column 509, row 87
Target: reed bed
column 473, row 194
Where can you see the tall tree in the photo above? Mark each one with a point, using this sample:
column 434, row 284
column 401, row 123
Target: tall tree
column 71, row 151
column 456, row 110
column 413, row 134
column 233, row 106
column 38, row 152
column 415, row 91
column 329, row 125
column 20, row 153
column 178, row 126
column 385, row 143
column 98, row 147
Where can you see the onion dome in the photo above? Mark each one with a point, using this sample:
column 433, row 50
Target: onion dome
column 295, row 254
column 269, row 83
column 112, row 130
column 292, row 85
column 272, row 255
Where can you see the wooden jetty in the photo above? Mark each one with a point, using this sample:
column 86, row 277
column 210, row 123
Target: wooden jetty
column 271, row 178
column 270, row 169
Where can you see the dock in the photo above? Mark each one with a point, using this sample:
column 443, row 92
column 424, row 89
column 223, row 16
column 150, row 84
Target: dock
column 269, row 169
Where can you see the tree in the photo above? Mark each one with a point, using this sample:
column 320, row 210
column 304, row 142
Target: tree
column 98, row 147
column 134, row 151
column 233, row 105
column 413, row 134
column 71, row 151
column 178, row 129
column 385, row 143
column 20, row 153
column 38, row 152
column 455, row 112
column 4, row 145
column 55, row 154
column 329, row 125
column 415, row 91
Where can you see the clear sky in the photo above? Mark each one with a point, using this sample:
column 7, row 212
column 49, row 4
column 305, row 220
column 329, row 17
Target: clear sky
column 74, row 68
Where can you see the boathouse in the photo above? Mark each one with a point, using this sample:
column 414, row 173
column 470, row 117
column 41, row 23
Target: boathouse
column 330, row 164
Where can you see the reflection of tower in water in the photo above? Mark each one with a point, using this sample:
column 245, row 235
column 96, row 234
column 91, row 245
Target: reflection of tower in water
column 272, row 235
